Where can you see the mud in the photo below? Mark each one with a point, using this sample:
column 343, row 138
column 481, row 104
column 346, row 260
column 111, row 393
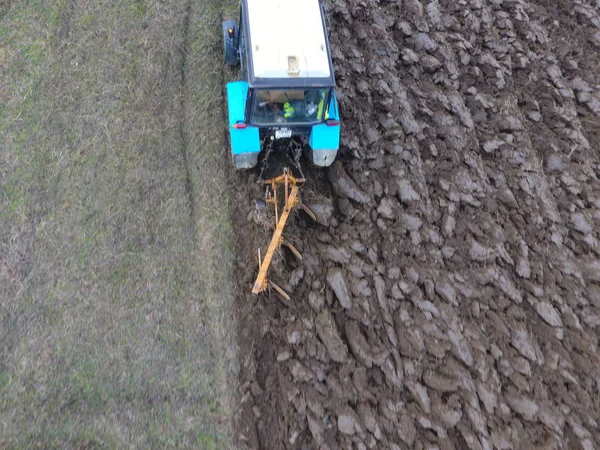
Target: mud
column 449, row 295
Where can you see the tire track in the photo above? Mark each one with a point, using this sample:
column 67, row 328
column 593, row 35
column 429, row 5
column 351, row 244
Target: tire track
column 183, row 107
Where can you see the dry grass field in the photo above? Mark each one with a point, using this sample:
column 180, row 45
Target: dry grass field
column 115, row 250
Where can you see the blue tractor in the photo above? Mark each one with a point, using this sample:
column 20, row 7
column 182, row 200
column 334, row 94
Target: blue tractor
column 286, row 91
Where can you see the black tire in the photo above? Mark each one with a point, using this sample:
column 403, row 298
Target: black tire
column 231, row 55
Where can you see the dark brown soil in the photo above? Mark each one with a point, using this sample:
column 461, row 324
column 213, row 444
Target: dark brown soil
column 452, row 300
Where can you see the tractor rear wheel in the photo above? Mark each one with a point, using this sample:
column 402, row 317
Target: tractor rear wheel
column 231, row 55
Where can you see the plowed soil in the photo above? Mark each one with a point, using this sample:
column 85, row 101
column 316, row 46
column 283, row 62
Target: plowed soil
column 449, row 297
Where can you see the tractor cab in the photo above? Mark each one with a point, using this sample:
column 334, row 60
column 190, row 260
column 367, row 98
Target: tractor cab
column 287, row 86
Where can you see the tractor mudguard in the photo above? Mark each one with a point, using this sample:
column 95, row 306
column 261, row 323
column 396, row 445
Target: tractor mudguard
column 245, row 140
column 324, row 143
column 324, row 139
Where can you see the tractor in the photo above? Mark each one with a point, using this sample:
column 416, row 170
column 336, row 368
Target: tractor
column 286, row 89
column 283, row 104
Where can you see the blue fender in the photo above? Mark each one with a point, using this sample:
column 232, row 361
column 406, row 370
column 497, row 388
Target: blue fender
column 324, row 139
column 245, row 142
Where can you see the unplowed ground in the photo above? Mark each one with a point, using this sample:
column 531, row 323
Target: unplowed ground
column 450, row 298
column 115, row 245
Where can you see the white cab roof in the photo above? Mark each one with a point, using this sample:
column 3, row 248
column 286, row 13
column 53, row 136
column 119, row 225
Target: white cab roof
column 288, row 39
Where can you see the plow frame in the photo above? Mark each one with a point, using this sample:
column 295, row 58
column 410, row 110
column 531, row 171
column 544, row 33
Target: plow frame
column 291, row 186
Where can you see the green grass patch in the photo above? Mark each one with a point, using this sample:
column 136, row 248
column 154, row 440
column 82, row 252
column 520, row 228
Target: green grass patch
column 116, row 314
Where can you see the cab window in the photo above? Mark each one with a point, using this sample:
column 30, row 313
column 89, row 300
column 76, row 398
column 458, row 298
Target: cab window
column 280, row 106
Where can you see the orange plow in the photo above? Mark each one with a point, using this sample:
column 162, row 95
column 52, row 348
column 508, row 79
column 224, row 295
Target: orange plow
column 291, row 199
